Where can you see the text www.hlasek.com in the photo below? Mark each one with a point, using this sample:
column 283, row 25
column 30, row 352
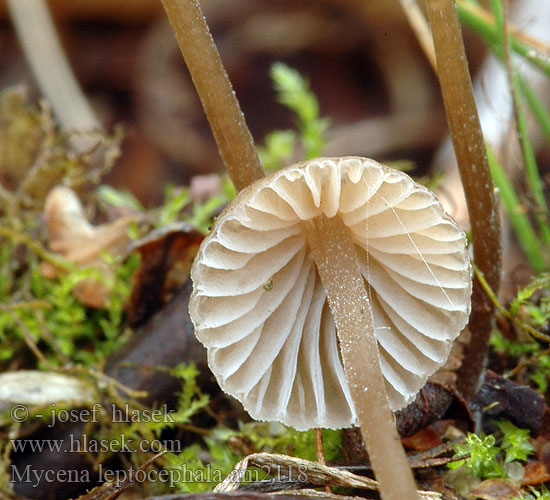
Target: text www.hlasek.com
column 83, row 444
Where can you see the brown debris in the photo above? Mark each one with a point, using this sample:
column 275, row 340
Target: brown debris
column 520, row 404
column 535, row 473
column 240, row 495
column 166, row 257
column 495, row 489
column 423, row 440
column 431, row 403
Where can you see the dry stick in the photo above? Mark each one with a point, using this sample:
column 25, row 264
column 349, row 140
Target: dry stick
column 336, row 261
column 421, row 29
column 469, row 147
column 215, row 91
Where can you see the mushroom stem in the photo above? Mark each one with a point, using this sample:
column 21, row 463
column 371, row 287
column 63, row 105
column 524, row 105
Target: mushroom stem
column 465, row 129
column 215, row 91
column 336, row 260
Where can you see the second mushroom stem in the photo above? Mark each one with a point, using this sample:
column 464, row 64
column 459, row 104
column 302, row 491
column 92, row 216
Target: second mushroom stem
column 215, row 91
column 336, row 260
column 465, row 129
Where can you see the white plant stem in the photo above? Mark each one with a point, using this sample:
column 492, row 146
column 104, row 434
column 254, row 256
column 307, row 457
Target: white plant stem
column 45, row 56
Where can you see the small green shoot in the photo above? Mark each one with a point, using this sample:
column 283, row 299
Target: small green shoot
column 515, row 442
column 199, row 468
column 541, row 113
column 535, row 182
column 279, row 146
column 118, row 198
column 177, row 206
column 538, row 362
column 541, row 375
column 540, row 313
column 529, row 312
column 174, row 202
column 293, row 92
column 482, row 461
column 486, row 459
column 513, row 348
column 191, row 400
column 203, row 213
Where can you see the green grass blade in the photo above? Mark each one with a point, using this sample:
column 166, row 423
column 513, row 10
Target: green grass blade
column 523, row 229
column 542, row 115
column 489, row 30
column 534, row 181
column 531, row 169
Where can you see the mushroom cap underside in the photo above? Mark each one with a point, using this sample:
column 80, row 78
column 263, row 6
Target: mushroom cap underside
column 260, row 309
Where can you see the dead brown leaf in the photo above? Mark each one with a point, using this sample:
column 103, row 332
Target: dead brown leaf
column 71, row 236
column 535, row 473
column 424, row 439
column 166, row 257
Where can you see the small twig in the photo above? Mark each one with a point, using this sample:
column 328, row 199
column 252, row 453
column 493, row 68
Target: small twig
column 530, row 360
column 109, row 380
column 319, row 446
column 31, row 304
column 321, row 452
column 436, row 462
column 299, row 472
column 297, row 468
column 436, row 451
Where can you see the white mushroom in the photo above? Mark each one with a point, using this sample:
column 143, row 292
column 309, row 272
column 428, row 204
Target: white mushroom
column 326, row 294
column 261, row 310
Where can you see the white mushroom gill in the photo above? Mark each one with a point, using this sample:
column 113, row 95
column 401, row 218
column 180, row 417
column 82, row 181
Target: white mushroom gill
column 275, row 348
